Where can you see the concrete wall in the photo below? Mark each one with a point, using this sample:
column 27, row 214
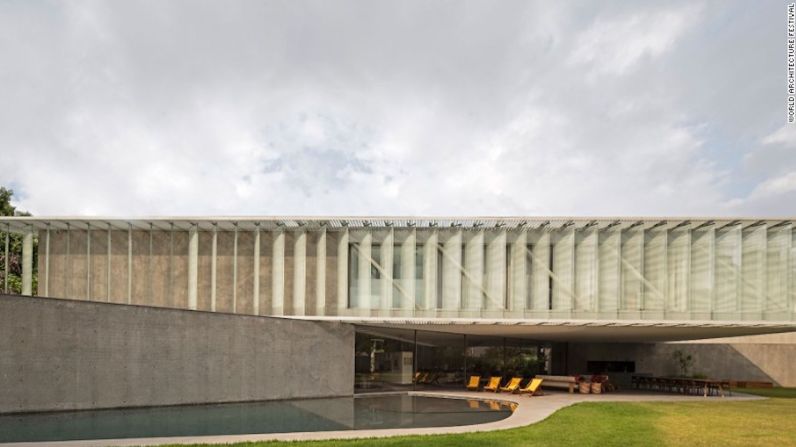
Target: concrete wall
column 739, row 360
column 64, row 354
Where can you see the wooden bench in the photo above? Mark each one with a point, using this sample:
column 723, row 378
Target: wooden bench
column 559, row 382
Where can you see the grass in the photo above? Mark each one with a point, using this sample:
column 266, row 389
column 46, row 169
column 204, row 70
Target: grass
column 770, row 422
column 782, row 393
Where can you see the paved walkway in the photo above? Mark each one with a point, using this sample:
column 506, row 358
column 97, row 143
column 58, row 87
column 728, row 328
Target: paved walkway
column 529, row 411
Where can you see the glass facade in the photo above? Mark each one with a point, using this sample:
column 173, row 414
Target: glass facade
column 392, row 359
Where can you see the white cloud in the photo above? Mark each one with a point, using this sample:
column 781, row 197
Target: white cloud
column 616, row 44
column 775, row 186
column 362, row 108
column 785, row 135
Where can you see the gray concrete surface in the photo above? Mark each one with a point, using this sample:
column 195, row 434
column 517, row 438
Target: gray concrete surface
column 63, row 354
column 759, row 361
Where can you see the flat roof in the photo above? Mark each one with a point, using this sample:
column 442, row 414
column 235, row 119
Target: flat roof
column 20, row 223
column 618, row 331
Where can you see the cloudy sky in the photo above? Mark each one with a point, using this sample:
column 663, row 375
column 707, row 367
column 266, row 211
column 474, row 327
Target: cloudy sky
column 403, row 107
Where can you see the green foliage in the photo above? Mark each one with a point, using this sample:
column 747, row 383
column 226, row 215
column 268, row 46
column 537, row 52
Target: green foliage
column 14, row 260
column 515, row 361
column 783, row 393
column 684, row 362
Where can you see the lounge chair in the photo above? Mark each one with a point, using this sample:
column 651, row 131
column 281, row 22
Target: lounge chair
column 512, row 386
column 433, row 378
column 493, row 385
column 533, row 388
column 422, row 378
column 474, row 383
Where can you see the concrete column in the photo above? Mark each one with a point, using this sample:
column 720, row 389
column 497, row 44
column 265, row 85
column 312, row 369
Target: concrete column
column 213, row 268
column 320, row 274
column 753, row 267
column 235, row 270
column 678, row 278
column 27, row 262
column 47, row 263
column 387, row 276
column 149, row 266
column 564, row 270
column 586, row 258
column 430, row 270
column 5, row 260
column 654, row 272
column 610, row 279
column 193, row 266
column 108, row 271
column 171, row 298
column 519, row 281
column 452, row 272
column 129, row 263
column 408, row 273
column 278, row 278
column 363, row 267
column 473, row 293
column 541, row 273
column 342, row 272
column 738, row 231
column 300, row 274
column 88, row 262
column 68, row 263
column 256, row 273
column 633, row 281
column 496, row 271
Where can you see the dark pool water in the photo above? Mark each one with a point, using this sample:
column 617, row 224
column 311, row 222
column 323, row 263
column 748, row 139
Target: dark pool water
column 350, row 413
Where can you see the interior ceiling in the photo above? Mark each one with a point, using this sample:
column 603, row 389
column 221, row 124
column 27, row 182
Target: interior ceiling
column 620, row 334
column 569, row 331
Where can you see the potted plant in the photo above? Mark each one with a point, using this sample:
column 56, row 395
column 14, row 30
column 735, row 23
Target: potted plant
column 583, row 385
column 597, row 383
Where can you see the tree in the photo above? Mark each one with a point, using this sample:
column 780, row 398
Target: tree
column 14, row 260
column 683, row 361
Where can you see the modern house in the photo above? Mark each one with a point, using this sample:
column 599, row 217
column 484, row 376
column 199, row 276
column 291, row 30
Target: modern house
column 453, row 294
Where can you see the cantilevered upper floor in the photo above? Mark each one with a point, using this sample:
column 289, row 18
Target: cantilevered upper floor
column 639, row 269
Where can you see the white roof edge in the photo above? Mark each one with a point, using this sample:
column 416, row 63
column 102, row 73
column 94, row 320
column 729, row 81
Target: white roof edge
column 551, row 322
column 319, row 218
column 19, row 223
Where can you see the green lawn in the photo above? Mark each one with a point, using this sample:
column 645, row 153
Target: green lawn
column 770, row 422
column 785, row 393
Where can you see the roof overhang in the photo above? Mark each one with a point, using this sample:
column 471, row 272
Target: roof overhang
column 229, row 223
column 620, row 331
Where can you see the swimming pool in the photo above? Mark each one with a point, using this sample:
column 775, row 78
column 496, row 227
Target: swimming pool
column 349, row 413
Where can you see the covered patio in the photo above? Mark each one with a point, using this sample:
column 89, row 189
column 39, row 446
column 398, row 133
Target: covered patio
column 396, row 354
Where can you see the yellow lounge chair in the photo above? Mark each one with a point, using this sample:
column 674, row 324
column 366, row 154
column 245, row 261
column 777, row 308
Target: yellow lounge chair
column 474, row 383
column 494, row 383
column 534, row 388
column 512, row 386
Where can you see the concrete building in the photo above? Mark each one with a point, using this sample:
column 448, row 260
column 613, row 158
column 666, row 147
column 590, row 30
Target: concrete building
column 597, row 290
